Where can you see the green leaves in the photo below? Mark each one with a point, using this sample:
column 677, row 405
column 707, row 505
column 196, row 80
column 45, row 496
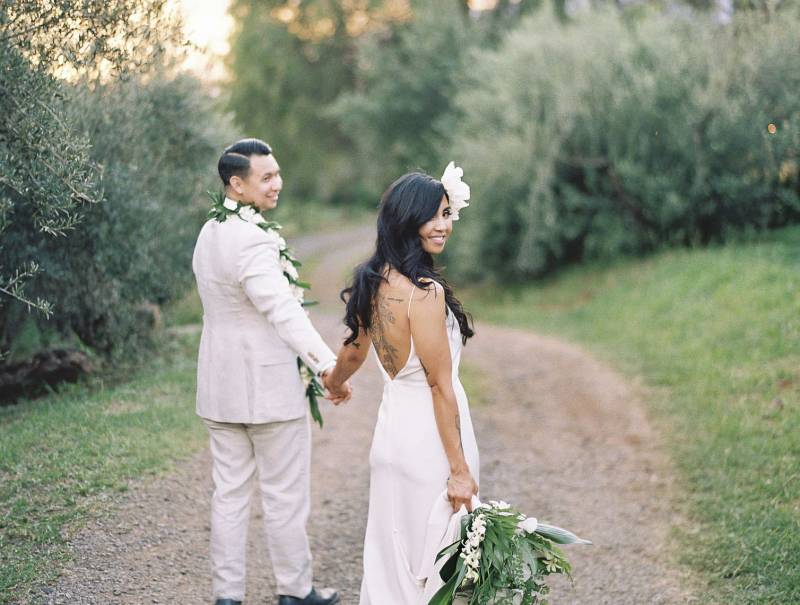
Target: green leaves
column 647, row 133
column 559, row 535
column 513, row 563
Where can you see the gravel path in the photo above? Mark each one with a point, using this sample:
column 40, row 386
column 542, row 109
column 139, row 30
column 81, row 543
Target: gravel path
column 561, row 436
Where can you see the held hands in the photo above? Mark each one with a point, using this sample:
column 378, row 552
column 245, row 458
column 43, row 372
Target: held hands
column 337, row 393
column 460, row 488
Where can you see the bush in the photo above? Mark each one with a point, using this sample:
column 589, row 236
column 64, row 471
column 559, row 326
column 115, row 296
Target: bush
column 134, row 247
column 602, row 137
column 400, row 116
column 99, row 176
column 285, row 73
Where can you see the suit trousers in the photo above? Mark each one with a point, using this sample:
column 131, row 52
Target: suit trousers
column 277, row 456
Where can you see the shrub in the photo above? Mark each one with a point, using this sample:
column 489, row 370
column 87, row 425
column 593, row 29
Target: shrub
column 605, row 137
column 98, row 174
column 400, row 116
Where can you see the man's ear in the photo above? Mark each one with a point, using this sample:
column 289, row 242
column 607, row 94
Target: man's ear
column 236, row 184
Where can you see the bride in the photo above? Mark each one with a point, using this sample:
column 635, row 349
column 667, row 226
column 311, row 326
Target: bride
column 424, row 445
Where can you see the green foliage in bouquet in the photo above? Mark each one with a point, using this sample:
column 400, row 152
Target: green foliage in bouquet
column 502, row 558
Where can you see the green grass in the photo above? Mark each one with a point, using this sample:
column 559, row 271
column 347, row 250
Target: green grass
column 187, row 310
column 65, row 456
column 717, row 333
column 476, row 383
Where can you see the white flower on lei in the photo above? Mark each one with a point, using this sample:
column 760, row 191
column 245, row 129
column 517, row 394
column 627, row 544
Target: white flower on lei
column 299, row 293
column 230, row 204
column 248, row 213
column 457, row 190
column 289, row 268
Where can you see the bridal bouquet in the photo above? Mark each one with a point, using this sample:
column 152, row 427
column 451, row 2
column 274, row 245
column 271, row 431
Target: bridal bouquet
column 502, row 558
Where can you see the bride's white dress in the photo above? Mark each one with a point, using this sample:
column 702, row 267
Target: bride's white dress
column 408, row 475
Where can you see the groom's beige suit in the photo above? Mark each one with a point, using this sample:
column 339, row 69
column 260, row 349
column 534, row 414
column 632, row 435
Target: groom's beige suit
column 252, row 399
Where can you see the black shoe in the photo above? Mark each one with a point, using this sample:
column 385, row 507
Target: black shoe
column 227, row 602
column 326, row 597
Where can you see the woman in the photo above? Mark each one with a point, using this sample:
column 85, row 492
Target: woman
column 424, row 444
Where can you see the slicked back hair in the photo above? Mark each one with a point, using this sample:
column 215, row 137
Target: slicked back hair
column 235, row 160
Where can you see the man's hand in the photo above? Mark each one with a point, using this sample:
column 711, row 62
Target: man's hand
column 336, row 392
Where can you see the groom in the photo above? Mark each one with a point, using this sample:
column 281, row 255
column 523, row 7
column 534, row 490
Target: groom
column 249, row 391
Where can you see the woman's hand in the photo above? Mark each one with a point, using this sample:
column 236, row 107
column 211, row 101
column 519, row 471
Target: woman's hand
column 460, row 489
column 335, row 392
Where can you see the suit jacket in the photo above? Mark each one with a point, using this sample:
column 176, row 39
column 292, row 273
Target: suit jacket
column 253, row 328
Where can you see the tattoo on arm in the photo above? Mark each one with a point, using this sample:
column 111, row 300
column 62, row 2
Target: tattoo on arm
column 458, row 428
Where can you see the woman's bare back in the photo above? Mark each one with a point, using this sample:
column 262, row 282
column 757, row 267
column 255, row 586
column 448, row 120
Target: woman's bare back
column 390, row 331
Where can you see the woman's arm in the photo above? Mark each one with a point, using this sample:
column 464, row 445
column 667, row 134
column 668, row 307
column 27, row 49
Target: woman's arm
column 349, row 359
column 429, row 331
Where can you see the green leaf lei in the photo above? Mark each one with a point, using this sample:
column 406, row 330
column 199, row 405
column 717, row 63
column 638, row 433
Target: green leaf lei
column 220, row 212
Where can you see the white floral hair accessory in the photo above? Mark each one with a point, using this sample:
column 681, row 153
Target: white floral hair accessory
column 457, row 190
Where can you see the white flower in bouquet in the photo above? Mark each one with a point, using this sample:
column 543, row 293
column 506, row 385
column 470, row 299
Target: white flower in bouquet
column 472, row 549
column 503, row 556
column 528, row 525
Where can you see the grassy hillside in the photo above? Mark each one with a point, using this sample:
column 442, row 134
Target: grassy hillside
column 717, row 332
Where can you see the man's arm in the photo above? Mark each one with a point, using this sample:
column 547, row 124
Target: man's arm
column 259, row 271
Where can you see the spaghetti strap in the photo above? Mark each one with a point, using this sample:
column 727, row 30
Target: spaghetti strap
column 410, row 298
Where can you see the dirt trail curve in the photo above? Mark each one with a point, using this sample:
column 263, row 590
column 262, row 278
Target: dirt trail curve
column 562, row 437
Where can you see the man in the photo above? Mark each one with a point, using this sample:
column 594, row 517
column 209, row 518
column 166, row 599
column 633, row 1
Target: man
column 249, row 391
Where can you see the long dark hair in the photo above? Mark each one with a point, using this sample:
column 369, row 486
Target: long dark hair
column 408, row 203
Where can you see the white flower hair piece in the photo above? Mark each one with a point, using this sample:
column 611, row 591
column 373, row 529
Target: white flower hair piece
column 457, row 190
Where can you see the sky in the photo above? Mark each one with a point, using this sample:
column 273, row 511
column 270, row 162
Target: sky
column 207, row 25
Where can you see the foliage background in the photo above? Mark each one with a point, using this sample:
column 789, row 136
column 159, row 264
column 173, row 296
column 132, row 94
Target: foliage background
column 588, row 134
column 100, row 173
column 610, row 137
